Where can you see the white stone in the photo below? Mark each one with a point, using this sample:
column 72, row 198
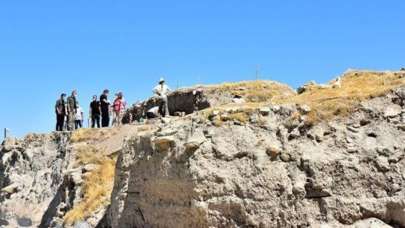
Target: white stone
column 392, row 111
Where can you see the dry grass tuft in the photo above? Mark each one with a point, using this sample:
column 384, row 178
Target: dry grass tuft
column 239, row 114
column 242, row 117
column 327, row 103
column 255, row 91
column 143, row 128
column 86, row 134
column 97, row 190
column 93, row 134
column 97, row 185
column 88, row 155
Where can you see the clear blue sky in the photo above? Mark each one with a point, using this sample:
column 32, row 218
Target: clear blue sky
column 48, row 47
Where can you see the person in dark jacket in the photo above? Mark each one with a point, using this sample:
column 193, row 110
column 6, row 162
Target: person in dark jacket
column 60, row 110
column 95, row 112
column 105, row 109
column 72, row 105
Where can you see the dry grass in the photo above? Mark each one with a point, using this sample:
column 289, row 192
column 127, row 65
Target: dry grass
column 238, row 113
column 88, row 155
column 92, row 134
column 242, row 117
column 97, row 185
column 97, row 190
column 327, row 103
column 97, row 148
column 143, row 128
column 84, row 134
column 255, row 91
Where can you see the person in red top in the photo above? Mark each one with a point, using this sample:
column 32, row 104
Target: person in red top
column 118, row 108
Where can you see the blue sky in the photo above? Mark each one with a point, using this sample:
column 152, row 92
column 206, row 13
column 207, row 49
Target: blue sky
column 48, row 47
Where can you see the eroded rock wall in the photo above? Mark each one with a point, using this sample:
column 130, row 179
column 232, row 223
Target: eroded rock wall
column 274, row 171
column 31, row 174
column 182, row 101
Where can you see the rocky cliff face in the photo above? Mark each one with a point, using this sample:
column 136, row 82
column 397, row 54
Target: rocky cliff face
column 257, row 158
column 273, row 171
column 31, row 173
column 58, row 179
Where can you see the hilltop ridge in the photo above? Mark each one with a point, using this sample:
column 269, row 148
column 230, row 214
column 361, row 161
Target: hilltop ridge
column 246, row 154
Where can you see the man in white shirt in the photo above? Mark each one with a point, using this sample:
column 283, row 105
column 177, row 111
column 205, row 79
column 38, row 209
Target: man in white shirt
column 79, row 118
column 161, row 91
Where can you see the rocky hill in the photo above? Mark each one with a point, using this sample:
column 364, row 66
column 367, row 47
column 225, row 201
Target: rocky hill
column 250, row 154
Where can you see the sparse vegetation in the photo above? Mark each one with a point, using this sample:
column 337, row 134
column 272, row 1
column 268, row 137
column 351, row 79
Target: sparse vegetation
column 84, row 134
column 327, row 103
column 143, row 128
column 255, row 91
column 88, row 155
column 221, row 115
column 242, row 117
column 93, row 147
column 97, row 185
column 91, row 134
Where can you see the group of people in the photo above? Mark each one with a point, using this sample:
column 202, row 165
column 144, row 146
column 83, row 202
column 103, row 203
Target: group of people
column 70, row 116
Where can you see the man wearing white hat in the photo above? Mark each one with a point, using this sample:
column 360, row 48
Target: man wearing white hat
column 161, row 91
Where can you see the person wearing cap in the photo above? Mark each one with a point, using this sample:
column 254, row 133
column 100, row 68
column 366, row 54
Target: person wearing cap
column 105, row 108
column 60, row 110
column 72, row 105
column 161, row 91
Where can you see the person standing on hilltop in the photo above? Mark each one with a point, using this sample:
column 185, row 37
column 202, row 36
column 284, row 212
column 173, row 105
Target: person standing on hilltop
column 105, row 108
column 72, row 105
column 60, row 110
column 79, row 117
column 161, row 91
column 118, row 108
column 95, row 112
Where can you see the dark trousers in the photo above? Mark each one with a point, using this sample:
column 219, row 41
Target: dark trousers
column 78, row 124
column 60, row 121
column 105, row 120
column 164, row 106
column 95, row 120
column 150, row 115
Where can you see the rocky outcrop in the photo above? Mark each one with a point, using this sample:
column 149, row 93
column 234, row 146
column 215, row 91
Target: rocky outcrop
column 184, row 101
column 43, row 177
column 273, row 171
column 246, row 163
column 31, row 172
column 189, row 100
